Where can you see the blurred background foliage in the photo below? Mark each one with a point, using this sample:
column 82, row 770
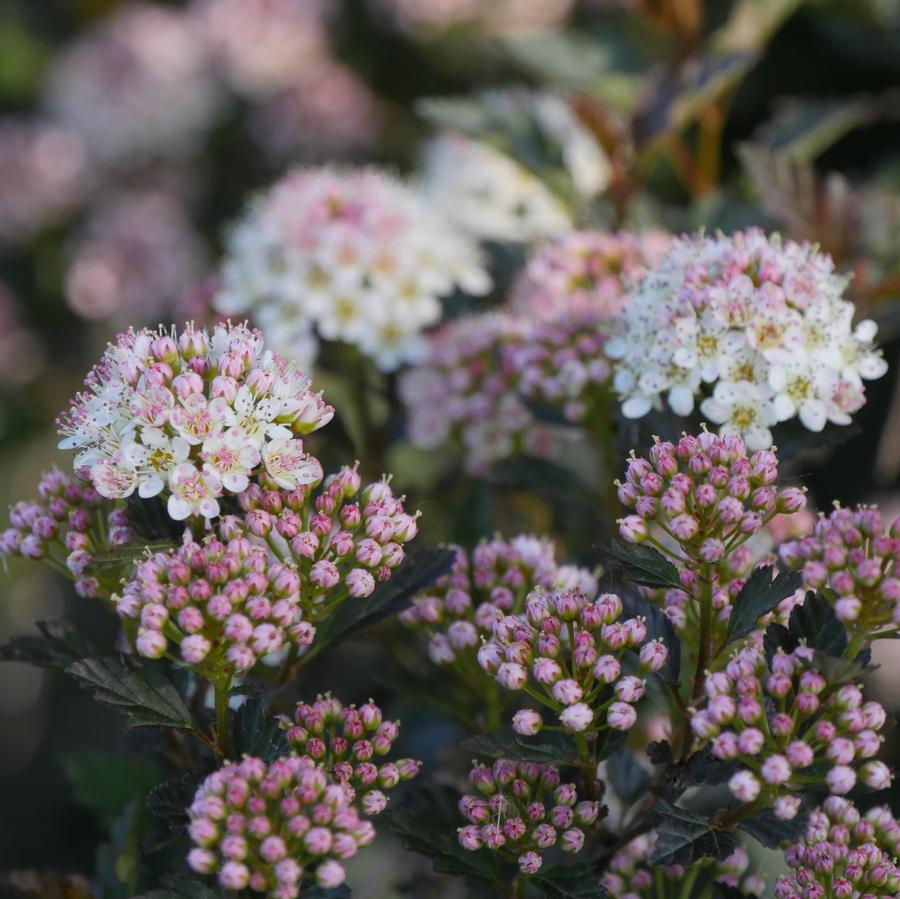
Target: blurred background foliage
column 781, row 113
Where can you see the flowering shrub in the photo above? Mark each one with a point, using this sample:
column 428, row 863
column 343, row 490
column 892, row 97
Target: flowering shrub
column 299, row 239
column 761, row 321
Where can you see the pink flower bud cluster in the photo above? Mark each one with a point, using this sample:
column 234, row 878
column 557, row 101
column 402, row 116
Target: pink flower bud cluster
column 275, row 828
column 191, row 417
column 345, row 538
column 68, row 524
column 631, row 876
column 520, row 809
column 844, row 854
column 569, row 652
column 700, row 501
column 480, row 372
column 225, row 604
column 585, row 272
column 351, row 744
column 779, row 721
column 460, row 609
column 851, row 559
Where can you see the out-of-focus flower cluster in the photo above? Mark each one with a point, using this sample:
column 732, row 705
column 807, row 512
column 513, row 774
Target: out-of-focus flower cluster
column 353, row 256
column 781, row 718
column 345, row 538
column 481, row 372
column 136, row 256
column 851, row 559
column 460, row 609
column 43, row 176
column 844, row 854
column 69, row 525
column 192, row 416
column 700, row 501
column 570, row 652
column 759, row 320
column 631, row 876
column 492, row 196
column 136, row 87
column 275, row 828
column 22, row 354
column 521, row 809
column 224, row 604
column 349, row 742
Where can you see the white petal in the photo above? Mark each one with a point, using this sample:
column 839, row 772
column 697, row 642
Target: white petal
column 681, row 400
column 636, row 406
column 715, row 411
column 151, row 487
column 178, row 508
column 812, row 414
column 784, row 407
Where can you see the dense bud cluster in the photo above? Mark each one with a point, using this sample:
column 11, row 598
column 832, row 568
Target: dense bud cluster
column 700, row 501
column 844, row 854
column 192, row 416
column 520, row 809
column 460, row 609
column 351, row 744
column 631, row 876
column 343, row 538
column 275, row 828
column 568, row 652
column 851, row 559
column 779, row 720
column 350, row 256
column 761, row 320
column 68, row 525
column 225, row 604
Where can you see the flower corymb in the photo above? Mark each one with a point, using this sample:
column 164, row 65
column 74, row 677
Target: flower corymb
column 192, row 416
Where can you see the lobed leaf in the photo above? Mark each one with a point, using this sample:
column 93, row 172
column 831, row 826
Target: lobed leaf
column 256, row 733
column 816, row 623
column 141, row 693
column 569, row 882
column 683, row 837
column 58, row 646
column 771, row 831
column 170, row 800
column 551, row 747
column 181, row 888
column 759, row 595
column 628, row 778
column 640, row 563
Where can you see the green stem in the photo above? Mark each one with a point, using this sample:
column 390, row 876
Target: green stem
column 222, row 688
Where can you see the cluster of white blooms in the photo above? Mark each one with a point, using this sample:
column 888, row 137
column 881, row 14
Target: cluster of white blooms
column 494, row 197
column 755, row 324
column 353, row 256
column 192, row 416
column 138, row 86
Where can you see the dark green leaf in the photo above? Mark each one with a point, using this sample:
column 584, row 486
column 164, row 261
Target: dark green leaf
column 256, row 733
column 105, row 783
column 760, row 594
column 627, row 776
column 816, row 623
column 704, row 768
column 170, row 800
column 551, row 747
column 660, row 752
column 181, row 888
column 138, row 691
column 770, row 831
column 838, row 670
column 569, row 882
column 420, row 568
column 683, row 837
column 58, row 646
column 726, row 891
column 317, row 892
column 640, row 563
column 431, row 835
column 777, row 637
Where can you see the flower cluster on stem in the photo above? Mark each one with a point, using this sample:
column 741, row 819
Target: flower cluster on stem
column 521, row 809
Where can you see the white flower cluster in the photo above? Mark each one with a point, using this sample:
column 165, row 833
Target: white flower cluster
column 493, row 197
column 755, row 324
column 353, row 256
column 192, row 416
column 138, row 86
